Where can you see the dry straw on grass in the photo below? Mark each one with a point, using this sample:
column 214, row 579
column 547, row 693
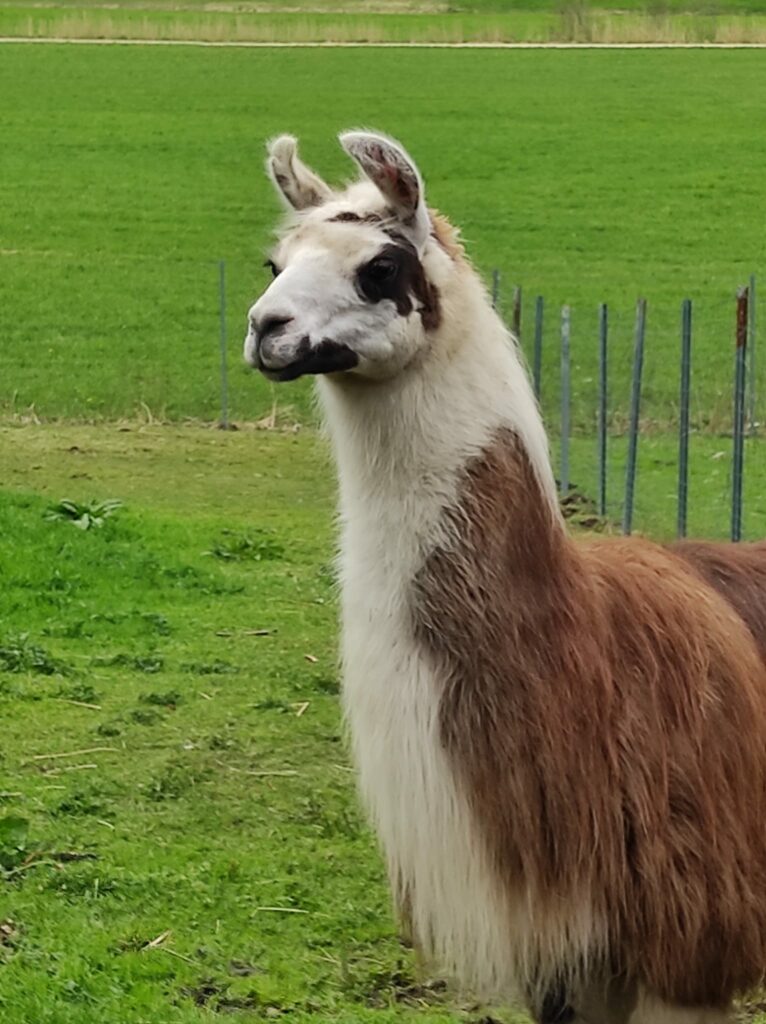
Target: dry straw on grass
column 575, row 24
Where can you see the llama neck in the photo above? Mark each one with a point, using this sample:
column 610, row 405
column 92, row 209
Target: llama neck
column 402, row 447
column 411, row 455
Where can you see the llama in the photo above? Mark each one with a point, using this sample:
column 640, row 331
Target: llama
column 561, row 744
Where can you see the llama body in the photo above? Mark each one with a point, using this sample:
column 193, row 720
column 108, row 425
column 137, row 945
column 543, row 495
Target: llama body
column 393, row 501
column 562, row 748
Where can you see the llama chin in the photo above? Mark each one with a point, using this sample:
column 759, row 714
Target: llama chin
column 561, row 745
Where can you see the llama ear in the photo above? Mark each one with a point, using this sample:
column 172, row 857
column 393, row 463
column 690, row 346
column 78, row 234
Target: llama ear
column 298, row 185
column 389, row 166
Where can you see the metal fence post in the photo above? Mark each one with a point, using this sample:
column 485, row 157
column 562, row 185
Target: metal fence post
column 635, row 410
column 740, row 367
column 565, row 401
column 537, row 358
column 224, row 374
column 603, row 377
column 495, row 288
column 751, row 382
column 683, row 426
column 516, row 321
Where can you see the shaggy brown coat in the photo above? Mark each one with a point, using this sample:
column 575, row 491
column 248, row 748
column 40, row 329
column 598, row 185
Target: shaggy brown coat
column 604, row 705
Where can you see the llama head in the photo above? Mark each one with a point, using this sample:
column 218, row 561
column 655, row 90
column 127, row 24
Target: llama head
column 353, row 289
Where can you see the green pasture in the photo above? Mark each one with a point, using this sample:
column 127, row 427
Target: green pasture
column 126, row 174
column 179, row 834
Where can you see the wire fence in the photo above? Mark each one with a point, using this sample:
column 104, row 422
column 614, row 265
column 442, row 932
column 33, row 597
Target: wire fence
column 655, row 410
column 615, row 407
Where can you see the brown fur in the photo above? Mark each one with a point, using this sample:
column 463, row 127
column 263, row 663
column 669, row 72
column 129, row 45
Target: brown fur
column 446, row 235
column 605, row 710
column 738, row 572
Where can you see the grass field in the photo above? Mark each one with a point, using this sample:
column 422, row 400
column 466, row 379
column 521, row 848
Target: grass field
column 125, row 174
column 172, row 761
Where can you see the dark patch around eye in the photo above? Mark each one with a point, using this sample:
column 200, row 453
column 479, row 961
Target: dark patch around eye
column 397, row 274
column 349, row 217
column 345, row 217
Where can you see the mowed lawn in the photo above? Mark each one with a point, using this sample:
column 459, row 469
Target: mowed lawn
column 179, row 835
column 126, row 174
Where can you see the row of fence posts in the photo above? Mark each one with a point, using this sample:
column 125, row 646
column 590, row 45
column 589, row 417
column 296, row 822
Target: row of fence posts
column 744, row 400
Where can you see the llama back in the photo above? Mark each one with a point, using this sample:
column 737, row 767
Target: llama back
column 738, row 572
column 607, row 740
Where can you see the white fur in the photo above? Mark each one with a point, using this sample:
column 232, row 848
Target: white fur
column 298, row 186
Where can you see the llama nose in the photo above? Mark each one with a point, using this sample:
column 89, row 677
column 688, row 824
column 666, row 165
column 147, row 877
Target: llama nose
column 270, row 325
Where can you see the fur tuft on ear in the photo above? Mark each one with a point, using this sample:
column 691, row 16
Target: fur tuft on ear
column 297, row 184
column 388, row 165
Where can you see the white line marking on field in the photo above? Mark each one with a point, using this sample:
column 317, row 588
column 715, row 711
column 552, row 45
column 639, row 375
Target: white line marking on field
column 239, row 44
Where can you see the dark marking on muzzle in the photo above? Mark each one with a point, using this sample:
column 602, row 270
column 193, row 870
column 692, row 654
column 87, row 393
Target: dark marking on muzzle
column 326, row 357
column 406, row 286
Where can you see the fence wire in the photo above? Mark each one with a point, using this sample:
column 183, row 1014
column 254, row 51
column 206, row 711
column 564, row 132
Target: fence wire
column 85, row 344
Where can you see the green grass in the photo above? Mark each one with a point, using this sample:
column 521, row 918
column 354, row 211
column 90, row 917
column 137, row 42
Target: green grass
column 169, row 657
column 142, row 706
column 125, row 174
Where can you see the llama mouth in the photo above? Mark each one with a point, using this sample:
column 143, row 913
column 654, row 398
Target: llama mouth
column 326, row 357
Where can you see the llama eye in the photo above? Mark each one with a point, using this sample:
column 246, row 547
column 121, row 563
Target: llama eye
column 381, row 269
column 275, row 271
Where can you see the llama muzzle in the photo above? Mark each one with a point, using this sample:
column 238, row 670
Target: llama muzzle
column 283, row 359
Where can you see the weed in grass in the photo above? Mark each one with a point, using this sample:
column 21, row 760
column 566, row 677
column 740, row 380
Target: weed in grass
column 148, row 663
column 157, row 622
column 19, row 654
column 243, row 969
column 326, row 685
column 84, row 515
column 273, row 704
column 209, row 668
column 84, row 802
column 14, row 833
column 82, row 692
column 108, row 729
column 385, row 988
column 145, row 716
column 66, row 630
column 169, row 699
column 174, row 781
column 215, row 995
column 133, row 623
column 258, row 546
column 219, row 741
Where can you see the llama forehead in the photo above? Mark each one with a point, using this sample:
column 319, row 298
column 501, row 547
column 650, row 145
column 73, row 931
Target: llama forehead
column 343, row 244
column 351, row 226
